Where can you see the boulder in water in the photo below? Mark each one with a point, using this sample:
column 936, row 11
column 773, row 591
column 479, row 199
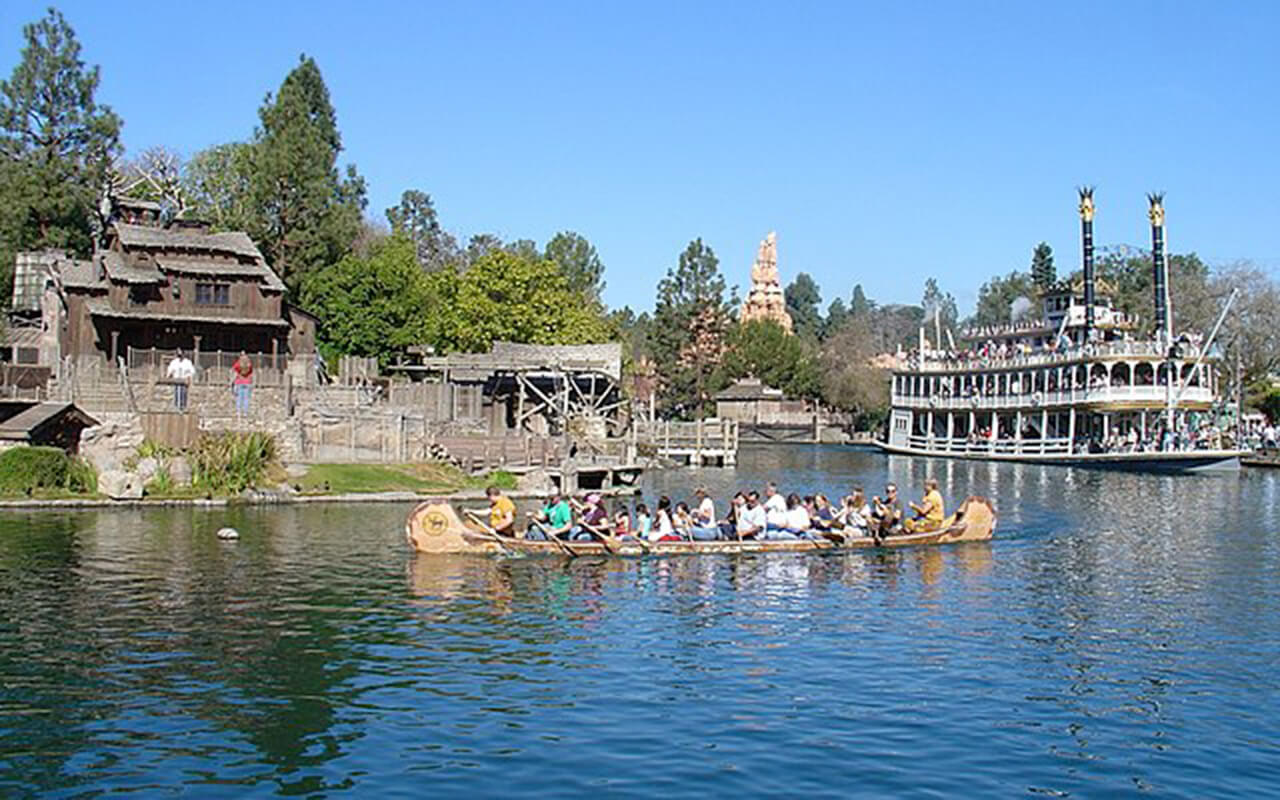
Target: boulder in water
column 228, row 533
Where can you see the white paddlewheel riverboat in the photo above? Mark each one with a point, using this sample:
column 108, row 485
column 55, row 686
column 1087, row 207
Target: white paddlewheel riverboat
column 1075, row 386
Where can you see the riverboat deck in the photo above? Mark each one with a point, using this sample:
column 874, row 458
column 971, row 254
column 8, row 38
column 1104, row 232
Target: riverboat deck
column 1178, row 461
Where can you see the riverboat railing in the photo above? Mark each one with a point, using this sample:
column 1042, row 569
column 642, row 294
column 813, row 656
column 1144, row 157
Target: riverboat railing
column 941, row 444
column 936, row 361
column 1150, row 395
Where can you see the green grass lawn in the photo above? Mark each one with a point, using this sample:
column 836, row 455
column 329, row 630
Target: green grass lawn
column 356, row 478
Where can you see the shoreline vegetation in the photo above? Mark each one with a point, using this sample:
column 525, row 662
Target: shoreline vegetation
column 321, row 483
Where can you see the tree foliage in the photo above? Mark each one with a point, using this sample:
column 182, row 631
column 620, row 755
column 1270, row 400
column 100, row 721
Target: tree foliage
column 415, row 218
column 305, row 215
column 56, row 147
column 579, row 262
column 373, row 306
column 1043, row 273
column 505, row 296
column 858, row 302
column 763, row 349
column 849, row 380
column 802, row 298
column 690, row 320
column 997, row 296
column 837, row 316
column 217, row 182
column 939, row 304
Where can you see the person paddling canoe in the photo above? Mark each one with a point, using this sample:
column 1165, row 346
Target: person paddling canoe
column 930, row 511
column 501, row 511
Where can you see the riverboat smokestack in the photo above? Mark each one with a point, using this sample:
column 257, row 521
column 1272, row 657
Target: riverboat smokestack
column 1086, row 234
column 1159, row 269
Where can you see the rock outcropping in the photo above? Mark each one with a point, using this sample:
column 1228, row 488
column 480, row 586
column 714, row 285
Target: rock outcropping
column 765, row 301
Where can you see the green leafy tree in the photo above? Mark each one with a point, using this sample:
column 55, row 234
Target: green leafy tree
column 580, row 263
column 481, row 245
column 307, row 215
column 1043, row 273
column 997, row 296
column 802, row 298
column 503, row 296
column 763, row 349
column 690, row 320
column 374, row 306
column 218, row 186
column 415, row 217
column 56, row 147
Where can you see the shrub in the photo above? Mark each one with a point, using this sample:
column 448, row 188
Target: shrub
column 25, row 469
column 82, row 478
column 231, row 462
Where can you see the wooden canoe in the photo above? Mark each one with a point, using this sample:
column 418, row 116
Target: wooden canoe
column 435, row 527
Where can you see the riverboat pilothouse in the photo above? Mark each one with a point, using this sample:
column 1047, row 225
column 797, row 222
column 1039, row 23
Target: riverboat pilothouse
column 1077, row 386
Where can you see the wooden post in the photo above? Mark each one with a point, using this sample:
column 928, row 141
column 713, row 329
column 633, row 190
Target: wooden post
column 115, row 347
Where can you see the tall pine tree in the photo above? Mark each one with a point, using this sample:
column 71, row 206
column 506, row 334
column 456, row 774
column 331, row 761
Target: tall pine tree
column 802, row 298
column 690, row 321
column 56, row 146
column 308, row 215
column 1043, row 272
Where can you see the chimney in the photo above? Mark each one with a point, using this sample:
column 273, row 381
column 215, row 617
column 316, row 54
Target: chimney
column 1159, row 269
column 1086, row 233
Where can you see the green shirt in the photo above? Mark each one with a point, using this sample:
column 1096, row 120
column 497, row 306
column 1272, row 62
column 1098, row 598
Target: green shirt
column 559, row 515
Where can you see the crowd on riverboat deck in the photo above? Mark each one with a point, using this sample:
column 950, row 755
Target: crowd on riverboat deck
column 765, row 515
column 995, row 351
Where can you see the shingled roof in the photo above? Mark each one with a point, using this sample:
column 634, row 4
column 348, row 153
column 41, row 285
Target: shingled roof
column 191, row 266
column 749, row 389
column 101, row 307
column 25, row 425
column 234, row 242
column 121, row 270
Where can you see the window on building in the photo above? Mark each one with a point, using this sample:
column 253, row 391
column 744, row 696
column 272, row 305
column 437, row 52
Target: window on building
column 213, row 294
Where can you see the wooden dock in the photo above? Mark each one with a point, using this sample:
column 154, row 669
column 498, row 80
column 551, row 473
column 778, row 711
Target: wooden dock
column 704, row 443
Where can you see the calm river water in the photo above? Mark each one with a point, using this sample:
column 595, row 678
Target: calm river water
column 1119, row 637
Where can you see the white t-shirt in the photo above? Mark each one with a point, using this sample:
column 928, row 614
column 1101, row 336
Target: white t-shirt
column 662, row 526
column 706, row 512
column 775, row 510
column 798, row 519
column 181, row 369
column 750, row 519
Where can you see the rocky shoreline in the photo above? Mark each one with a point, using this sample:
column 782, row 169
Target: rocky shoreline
column 270, row 497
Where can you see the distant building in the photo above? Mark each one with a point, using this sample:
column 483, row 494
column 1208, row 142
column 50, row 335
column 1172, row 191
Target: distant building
column 153, row 285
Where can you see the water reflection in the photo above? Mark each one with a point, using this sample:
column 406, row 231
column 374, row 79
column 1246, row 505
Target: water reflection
column 1117, row 633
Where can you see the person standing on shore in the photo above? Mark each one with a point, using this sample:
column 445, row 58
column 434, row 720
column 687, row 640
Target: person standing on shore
column 242, row 382
column 181, row 371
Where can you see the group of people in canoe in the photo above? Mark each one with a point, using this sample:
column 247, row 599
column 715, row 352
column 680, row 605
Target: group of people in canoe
column 750, row 515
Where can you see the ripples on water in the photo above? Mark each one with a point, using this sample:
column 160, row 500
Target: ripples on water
column 1118, row 637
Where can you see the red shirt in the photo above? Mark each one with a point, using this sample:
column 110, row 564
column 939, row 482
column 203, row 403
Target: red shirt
column 243, row 368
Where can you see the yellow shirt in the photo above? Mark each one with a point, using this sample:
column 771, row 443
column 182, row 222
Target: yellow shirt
column 502, row 513
column 933, row 510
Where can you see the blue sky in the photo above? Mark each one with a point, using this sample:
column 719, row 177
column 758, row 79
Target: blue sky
column 885, row 143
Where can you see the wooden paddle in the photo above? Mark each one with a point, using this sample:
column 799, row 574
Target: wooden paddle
column 486, row 529
column 610, row 541
column 563, row 545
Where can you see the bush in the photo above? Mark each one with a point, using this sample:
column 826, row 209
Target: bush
column 25, row 469
column 231, row 462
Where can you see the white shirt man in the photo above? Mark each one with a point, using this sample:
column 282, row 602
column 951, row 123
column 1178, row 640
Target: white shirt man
column 180, row 371
column 181, row 368
column 775, row 508
column 751, row 519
